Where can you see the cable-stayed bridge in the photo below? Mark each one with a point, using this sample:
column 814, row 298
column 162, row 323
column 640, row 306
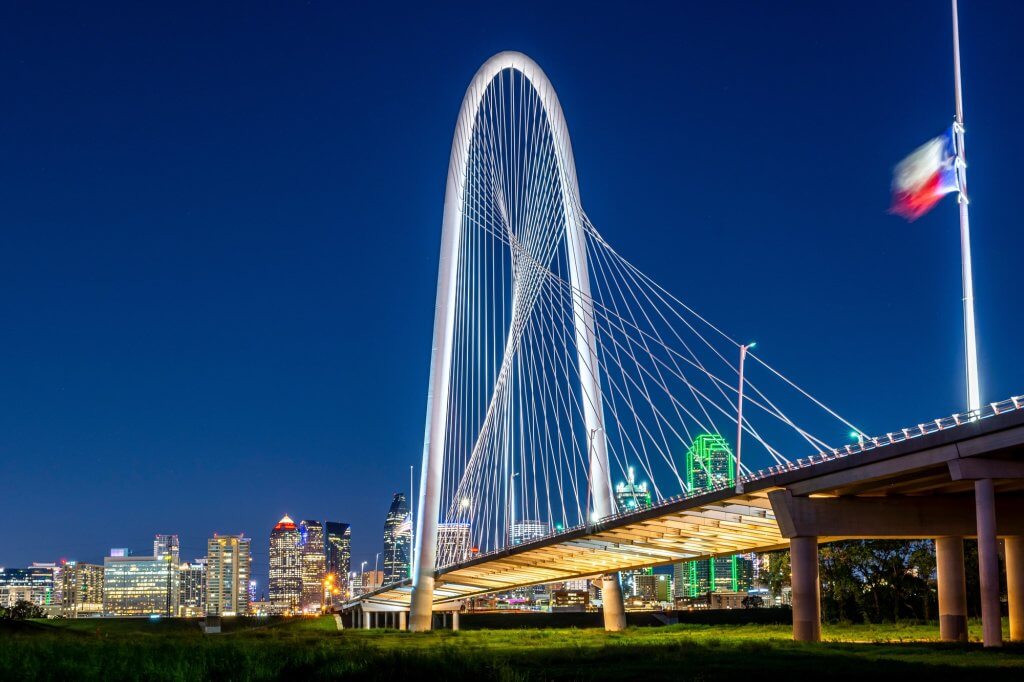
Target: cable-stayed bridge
column 583, row 420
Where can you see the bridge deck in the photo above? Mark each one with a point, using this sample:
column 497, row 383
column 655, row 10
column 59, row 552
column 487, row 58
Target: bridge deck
column 723, row 522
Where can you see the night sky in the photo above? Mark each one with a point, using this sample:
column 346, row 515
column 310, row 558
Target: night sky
column 220, row 226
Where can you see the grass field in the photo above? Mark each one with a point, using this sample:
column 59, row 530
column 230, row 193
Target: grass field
column 312, row 649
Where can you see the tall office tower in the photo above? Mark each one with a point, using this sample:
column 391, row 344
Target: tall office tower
column 33, row 584
column 140, row 586
column 709, row 465
column 166, row 545
column 228, row 561
column 285, row 587
column 632, row 495
column 527, row 530
column 338, row 550
column 192, row 588
column 311, row 549
column 397, row 540
column 82, row 590
column 453, row 543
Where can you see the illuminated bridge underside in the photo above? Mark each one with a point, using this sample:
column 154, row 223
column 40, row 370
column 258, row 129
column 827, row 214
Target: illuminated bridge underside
column 913, row 489
column 669, row 536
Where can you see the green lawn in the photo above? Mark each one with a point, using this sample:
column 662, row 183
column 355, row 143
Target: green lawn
column 312, row 649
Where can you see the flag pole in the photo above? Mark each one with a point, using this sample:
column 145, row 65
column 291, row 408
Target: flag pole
column 970, row 340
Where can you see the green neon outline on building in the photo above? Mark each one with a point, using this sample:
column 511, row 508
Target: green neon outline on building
column 700, row 459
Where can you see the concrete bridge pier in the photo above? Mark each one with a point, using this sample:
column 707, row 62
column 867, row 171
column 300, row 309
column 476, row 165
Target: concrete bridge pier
column 1014, row 547
column 988, row 562
column 612, row 605
column 949, row 560
column 803, row 557
column 402, row 616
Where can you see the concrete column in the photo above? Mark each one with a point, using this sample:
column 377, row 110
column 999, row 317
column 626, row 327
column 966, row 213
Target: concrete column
column 612, row 605
column 803, row 561
column 1014, row 547
column 367, row 618
column 455, row 621
column 988, row 562
column 949, row 562
column 401, row 620
column 421, row 614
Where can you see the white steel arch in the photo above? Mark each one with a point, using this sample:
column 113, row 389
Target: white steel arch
column 438, row 393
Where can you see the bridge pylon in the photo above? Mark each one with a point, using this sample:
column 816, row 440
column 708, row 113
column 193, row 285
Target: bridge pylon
column 588, row 365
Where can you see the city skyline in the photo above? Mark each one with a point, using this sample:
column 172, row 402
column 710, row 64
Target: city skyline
column 148, row 346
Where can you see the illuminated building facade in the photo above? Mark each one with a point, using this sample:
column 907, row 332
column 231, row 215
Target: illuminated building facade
column 338, row 552
column 192, row 589
column 313, row 559
column 34, row 584
column 453, row 543
column 630, row 496
column 570, row 600
column 709, row 465
column 140, row 586
column 525, row 531
column 397, row 540
column 228, row 561
column 285, row 588
column 81, row 590
column 166, row 546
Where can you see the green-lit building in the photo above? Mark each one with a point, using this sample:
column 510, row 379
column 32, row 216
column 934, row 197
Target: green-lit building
column 710, row 464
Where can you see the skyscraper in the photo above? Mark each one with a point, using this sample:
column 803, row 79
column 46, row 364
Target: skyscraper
column 397, row 540
column 228, row 560
column 192, row 588
column 632, row 495
column 337, row 548
column 311, row 549
column 452, row 543
column 709, row 465
column 82, row 593
column 527, row 530
column 166, row 545
column 285, row 587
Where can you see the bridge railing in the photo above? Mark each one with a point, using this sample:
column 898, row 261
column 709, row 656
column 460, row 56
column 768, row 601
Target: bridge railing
column 865, row 444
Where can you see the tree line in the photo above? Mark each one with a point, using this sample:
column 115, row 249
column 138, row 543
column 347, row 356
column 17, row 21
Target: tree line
column 879, row 580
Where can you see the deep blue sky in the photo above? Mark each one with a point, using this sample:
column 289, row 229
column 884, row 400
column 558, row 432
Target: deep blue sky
column 220, row 226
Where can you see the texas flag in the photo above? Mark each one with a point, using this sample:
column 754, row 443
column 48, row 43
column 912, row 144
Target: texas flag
column 924, row 177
